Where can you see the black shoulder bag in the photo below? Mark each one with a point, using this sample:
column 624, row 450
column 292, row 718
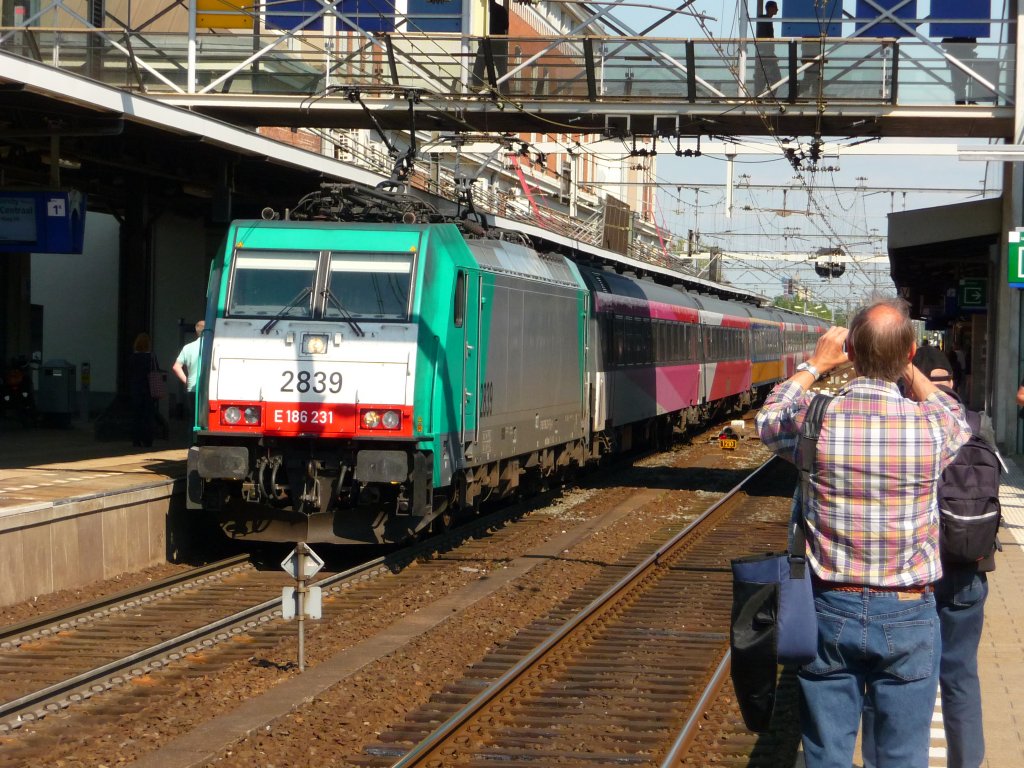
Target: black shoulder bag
column 773, row 618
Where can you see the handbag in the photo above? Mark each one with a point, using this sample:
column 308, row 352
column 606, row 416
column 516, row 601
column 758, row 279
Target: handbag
column 157, row 381
column 773, row 616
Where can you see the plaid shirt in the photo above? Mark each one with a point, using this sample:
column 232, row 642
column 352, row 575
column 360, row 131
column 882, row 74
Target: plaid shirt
column 872, row 517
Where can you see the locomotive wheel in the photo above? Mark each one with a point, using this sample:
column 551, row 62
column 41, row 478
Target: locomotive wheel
column 444, row 520
column 444, row 516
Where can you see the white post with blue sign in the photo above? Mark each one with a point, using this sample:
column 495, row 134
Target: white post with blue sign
column 301, row 602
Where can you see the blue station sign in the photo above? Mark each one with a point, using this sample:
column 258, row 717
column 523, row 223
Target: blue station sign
column 42, row 222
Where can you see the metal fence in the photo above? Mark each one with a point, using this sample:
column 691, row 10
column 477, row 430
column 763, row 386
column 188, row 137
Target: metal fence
column 590, row 69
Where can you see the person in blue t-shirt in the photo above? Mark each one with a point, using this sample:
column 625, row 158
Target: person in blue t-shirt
column 186, row 368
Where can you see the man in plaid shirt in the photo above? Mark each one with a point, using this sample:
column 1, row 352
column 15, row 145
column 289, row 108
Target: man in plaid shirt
column 872, row 537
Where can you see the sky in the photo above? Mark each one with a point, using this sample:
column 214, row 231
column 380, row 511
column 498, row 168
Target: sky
column 847, row 207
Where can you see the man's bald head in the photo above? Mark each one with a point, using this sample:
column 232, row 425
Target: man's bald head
column 881, row 340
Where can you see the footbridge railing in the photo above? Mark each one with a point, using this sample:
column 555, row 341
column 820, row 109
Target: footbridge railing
column 886, row 71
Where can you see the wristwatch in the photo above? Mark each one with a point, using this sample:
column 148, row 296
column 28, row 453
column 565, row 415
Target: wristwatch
column 805, row 366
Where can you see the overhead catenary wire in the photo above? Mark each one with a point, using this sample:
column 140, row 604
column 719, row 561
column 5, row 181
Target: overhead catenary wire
column 816, row 184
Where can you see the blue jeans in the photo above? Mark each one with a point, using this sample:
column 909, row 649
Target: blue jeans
column 960, row 596
column 872, row 647
column 960, row 600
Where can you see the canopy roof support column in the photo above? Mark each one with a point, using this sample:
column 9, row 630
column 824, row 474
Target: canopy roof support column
column 1006, row 361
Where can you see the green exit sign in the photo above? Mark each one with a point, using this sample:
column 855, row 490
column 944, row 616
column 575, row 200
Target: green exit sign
column 973, row 293
column 1015, row 267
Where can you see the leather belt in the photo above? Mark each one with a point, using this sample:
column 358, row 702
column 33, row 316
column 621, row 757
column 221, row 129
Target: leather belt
column 918, row 589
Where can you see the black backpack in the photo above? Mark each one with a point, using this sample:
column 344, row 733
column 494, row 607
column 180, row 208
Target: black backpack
column 968, row 495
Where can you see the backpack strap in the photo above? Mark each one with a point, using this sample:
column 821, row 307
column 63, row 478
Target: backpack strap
column 809, row 432
column 973, row 418
column 807, row 444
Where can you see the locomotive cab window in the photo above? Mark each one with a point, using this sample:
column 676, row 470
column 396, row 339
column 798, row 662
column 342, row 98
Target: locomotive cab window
column 369, row 286
column 273, row 282
column 460, row 299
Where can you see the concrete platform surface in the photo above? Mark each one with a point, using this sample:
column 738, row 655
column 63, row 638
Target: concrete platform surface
column 74, row 510
column 1001, row 655
column 47, row 466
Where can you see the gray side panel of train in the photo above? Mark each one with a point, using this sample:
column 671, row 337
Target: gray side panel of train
column 532, row 386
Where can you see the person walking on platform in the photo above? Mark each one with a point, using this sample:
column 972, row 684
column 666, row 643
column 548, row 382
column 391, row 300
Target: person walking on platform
column 871, row 523
column 969, row 487
column 186, row 368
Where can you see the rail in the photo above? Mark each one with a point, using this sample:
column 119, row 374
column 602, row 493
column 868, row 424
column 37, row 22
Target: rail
column 622, row 611
column 59, row 620
column 82, row 685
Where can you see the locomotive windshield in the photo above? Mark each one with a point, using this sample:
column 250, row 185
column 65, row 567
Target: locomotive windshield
column 350, row 287
column 268, row 282
column 370, row 285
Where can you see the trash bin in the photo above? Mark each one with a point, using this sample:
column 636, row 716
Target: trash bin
column 55, row 398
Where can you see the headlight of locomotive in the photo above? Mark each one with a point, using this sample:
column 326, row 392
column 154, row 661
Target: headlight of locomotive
column 378, row 419
column 314, row 344
column 234, row 414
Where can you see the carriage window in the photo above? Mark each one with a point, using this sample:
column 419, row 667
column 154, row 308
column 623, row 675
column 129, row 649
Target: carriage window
column 460, row 299
column 607, row 325
column 647, row 339
column 272, row 283
column 369, row 286
column 621, row 357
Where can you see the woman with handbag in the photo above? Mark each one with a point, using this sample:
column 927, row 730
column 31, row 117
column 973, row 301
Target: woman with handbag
column 141, row 365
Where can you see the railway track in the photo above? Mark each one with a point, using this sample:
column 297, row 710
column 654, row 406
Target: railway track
column 637, row 676
column 123, row 714
column 39, row 627
column 53, row 662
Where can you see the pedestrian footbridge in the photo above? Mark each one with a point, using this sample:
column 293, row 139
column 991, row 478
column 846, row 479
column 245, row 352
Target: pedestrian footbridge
column 850, row 86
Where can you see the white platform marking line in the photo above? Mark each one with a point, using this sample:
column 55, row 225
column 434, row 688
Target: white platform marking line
column 937, row 751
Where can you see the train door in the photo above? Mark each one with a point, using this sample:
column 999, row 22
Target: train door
column 706, row 371
column 473, row 291
column 588, row 395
